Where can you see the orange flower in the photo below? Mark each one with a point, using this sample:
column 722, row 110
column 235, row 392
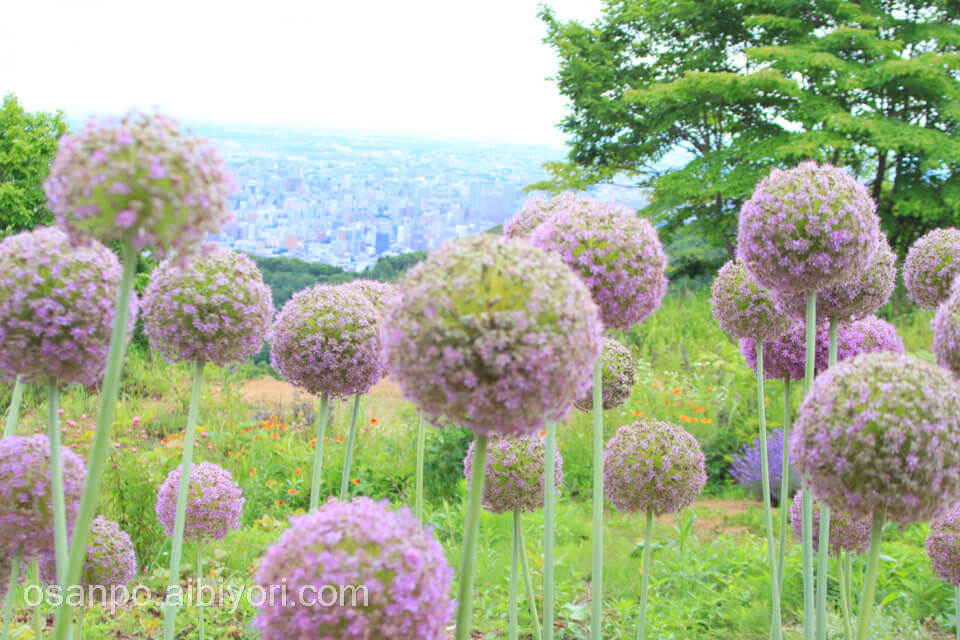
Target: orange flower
column 279, row 503
column 374, row 421
column 165, row 440
column 355, row 481
column 230, row 454
column 543, row 432
column 706, row 420
column 298, row 473
column 253, row 472
column 292, row 492
column 275, row 435
column 247, row 430
column 637, row 414
column 313, row 442
column 340, row 440
column 699, row 409
column 256, row 437
column 709, row 388
column 677, row 391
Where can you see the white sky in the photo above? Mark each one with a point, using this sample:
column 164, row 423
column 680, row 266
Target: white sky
column 451, row 68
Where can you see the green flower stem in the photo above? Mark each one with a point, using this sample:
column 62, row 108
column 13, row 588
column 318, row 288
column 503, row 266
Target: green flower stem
column 35, row 580
column 421, row 444
column 471, row 527
column 348, row 454
column 645, row 580
column 844, row 599
column 13, row 411
column 318, row 452
column 183, row 491
column 956, row 609
column 200, row 585
column 97, row 458
column 596, row 575
column 765, row 487
column 823, row 544
column 870, row 583
column 81, row 614
column 56, row 481
column 514, row 626
column 848, row 568
column 7, row 618
column 531, row 597
column 549, row 500
column 807, row 506
column 783, row 509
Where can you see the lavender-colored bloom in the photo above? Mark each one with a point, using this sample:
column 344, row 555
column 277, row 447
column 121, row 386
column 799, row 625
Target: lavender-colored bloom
column 742, row 307
column 807, row 228
column 26, row 505
column 619, row 376
column 56, row 307
column 616, row 253
column 111, row 561
column 214, row 308
column 943, row 545
column 514, row 473
column 399, row 570
column 138, row 178
column 493, row 334
column 537, row 211
column 868, row 335
column 850, row 299
column 931, row 267
column 880, row 433
column 655, row 465
column 380, row 294
column 746, row 468
column 846, row 532
column 327, row 340
column 946, row 332
column 214, row 503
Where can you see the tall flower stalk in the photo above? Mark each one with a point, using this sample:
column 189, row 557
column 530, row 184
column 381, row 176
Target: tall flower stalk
column 549, row 529
column 809, row 621
column 13, row 411
column 528, row 580
column 596, row 572
column 421, row 445
column 471, row 528
column 765, row 487
column 317, row 474
column 11, row 591
column 823, row 544
column 645, row 580
column 348, row 454
column 56, row 481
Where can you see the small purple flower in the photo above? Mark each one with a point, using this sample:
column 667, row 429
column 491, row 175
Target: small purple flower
column 515, row 473
column 846, row 532
column 213, row 308
column 747, row 469
column 397, row 568
column 493, row 334
column 536, row 211
column 214, row 503
column 931, row 267
column 619, row 376
column 382, row 295
column 807, row 228
column 616, row 253
column 943, row 545
column 742, row 307
column 26, row 505
column 111, row 561
column 327, row 340
column 946, row 332
column 880, row 433
column 655, row 465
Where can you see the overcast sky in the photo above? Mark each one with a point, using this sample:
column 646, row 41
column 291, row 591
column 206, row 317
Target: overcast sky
column 449, row 68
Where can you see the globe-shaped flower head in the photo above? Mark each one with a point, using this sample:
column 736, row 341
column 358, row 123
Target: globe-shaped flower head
column 653, row 465
column 326, row 339
column 401, row 576
column 56, row 307
column 846, row 532
column 494, row 335
column 807, row 228
column 514, row 473
column 851, row 299
column 214, row 308
column 943, row 545
column 111, row 561
column 931, row 267
column 742, row 307
column 946, row 332
column 537, row 211
column 380, row 294
column 138, row 178
column 214, row 503
column 26, row 504
column 619, row 375
column 617, row 254
column 880, row 433
column 868, row 335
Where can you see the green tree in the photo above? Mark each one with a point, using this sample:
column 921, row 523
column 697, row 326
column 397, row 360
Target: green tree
column 28, row 143
column 743, row 86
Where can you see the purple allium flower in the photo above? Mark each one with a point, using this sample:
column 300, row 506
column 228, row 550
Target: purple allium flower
column 742, row 307
column 537, row 211
column 867, row 335
column 380, row 294
column 619, row 376
column 493, row 334
column 214, row 503
column 850, row 299
column 617, row 254
column 943, row 545
column 946, row 332
column 846, row 532
column 401, row 576
column 747, row 469
column 652, row 464
column 138, row 178
column 56, row 307
column 807, row 228
column 514, row 473
column 213, row 308
column 327, row 340
column 931, row 267
column 881, row 433
column 111, row 561
column 26, row 505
